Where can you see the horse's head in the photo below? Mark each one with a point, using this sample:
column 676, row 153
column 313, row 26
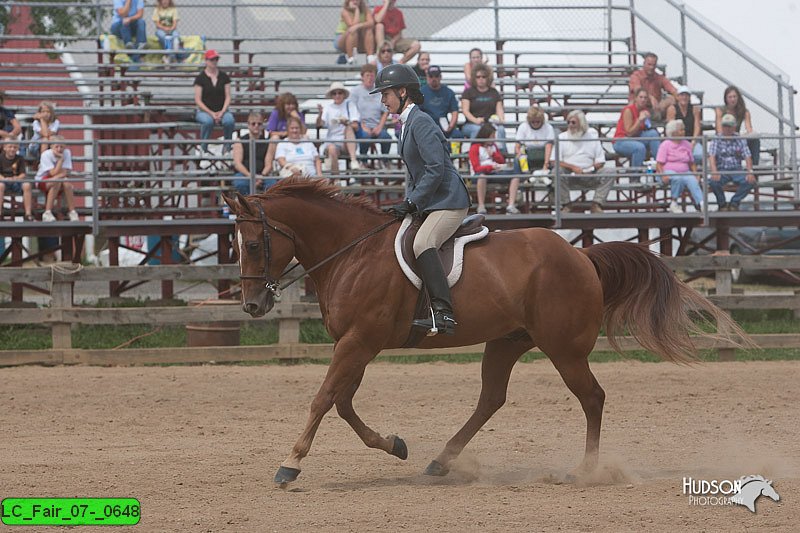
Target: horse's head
column 263, row 249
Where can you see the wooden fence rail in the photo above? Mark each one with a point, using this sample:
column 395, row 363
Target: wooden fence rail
column 62, row 314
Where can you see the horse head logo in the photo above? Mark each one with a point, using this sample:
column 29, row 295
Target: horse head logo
column 752, row 488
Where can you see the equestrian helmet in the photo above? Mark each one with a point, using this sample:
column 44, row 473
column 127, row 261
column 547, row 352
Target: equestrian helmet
column 398, row 75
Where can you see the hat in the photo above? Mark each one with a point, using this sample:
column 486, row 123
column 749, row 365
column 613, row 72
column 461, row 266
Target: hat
column 434, row 70
column 211, row 54
column 684, row 89
column 728, row 120
column 337, row 86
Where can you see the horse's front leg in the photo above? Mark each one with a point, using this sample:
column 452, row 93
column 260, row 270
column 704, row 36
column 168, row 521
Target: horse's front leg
column 391, row 444
column 346, row 368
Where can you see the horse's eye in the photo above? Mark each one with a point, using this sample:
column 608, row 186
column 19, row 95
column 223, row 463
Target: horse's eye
column 252, row 246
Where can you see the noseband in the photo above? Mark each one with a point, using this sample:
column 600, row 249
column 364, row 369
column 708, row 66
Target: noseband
column 271, row 283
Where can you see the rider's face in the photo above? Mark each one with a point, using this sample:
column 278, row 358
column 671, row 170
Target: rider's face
column 389, row 98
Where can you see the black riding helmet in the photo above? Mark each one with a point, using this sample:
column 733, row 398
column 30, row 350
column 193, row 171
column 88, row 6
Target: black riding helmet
column 396, row 76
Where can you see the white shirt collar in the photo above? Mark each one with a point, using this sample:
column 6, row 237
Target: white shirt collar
column 406, row 111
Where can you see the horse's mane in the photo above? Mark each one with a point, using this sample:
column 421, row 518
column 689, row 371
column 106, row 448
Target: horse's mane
column 747, row 479
column 320, row 188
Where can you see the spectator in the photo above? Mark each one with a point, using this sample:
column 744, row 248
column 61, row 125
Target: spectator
column 212, row 95
column 684, row 111
column 372, row 113
column 734, row 104
column 12, row 170
column 476, row 58
column 385, row 56
column 341, row 119
column 634, row 121
column 298, row 156
column 654, row 83
column 355, row 29
column 481, row 103
column 165, row 18
column 285, row 106
column 421, row 68
column 440, row 100
column 56, row 164
column 127, row 22
column 675, row 166
column 580, row 153
column 389, row 26
column 45, row 125
column 241, row 156
column 535, row 140
column 725, row 153
column 487, row 160
column 9, row 125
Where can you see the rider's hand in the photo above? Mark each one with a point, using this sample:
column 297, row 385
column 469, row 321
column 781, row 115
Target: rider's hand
column 401, row 210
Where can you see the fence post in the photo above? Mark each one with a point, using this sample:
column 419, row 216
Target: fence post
column 723, row 282
column 289, row 328
column 61, row 298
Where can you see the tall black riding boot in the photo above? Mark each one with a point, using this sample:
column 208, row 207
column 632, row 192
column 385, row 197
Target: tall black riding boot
column 433, row 276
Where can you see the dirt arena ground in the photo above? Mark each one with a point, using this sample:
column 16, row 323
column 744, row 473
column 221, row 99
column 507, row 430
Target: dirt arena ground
column 198, row 446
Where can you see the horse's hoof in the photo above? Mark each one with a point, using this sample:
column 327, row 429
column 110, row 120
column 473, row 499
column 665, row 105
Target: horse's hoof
column 286, row 475
column 399, row 448
column 570, row 478
column 437, row 469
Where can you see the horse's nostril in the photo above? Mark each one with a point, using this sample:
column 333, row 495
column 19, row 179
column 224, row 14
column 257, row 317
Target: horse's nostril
column 250, row 308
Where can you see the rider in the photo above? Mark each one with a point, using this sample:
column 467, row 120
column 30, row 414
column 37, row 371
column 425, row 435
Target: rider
column 434, row 189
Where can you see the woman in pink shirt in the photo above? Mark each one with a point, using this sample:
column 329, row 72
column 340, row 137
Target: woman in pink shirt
column 675, row 166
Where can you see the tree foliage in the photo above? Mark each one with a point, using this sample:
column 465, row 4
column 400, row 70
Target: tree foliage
column 70, row 20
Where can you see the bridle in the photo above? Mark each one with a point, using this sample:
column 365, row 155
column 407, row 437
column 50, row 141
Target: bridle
column 273, row 285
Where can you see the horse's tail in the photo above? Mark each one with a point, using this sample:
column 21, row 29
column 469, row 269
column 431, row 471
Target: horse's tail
column 641, row 294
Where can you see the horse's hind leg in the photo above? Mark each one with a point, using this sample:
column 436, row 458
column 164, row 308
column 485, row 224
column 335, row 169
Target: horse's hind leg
column 391, row 444
column 498, row 360
column 580, row 380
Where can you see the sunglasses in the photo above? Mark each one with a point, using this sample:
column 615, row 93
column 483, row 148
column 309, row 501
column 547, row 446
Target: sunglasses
column 214, row 59
column 479, row 76
column 386, row 51
column 259, row 124
column 572, row 122
column 334, row 93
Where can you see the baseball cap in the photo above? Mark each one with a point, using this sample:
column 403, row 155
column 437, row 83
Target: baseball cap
column 728, row 120
column 211, row 54
column 434, row 71
column 684, row 89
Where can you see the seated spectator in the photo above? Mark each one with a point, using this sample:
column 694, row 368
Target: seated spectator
column 45, row 125
column 580, row 155
column 385, row 58
column 56, row 164
column 689, row 114
column 487, row 160
column 389, row 26
column 734, row 105
column 356, row 29
column 655, row 84
column 440, row 100
column 421, row 68
column 476, row 58
column 482, row 103
column 212, row 95
column 9, row 125
column 241, row 156
column 341, row 119
column 535, row 141
column 127, row 22
column 372, row 124
column 726, row 154
column 675, row 166
column 298, row 156
column 165, row 18
column 12, row 170
column 635, row 121
column 285, row 106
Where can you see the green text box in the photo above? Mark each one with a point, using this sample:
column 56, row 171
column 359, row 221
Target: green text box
column 70, row 511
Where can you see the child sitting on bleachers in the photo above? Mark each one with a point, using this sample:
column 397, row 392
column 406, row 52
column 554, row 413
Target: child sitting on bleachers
column 56, row 164
column 12, row 170
column 165, row 18
column 45, row 126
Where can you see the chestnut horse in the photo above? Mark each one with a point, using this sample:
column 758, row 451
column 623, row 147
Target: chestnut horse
column 519, row 290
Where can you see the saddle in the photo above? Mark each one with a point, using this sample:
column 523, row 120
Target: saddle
column 451, row 253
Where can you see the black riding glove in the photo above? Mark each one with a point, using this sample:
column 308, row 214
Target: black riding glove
column 401, row 210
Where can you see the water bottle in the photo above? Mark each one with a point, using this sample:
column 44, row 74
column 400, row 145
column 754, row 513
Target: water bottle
column 650, row 170
column 648, row 124
column 523, row 163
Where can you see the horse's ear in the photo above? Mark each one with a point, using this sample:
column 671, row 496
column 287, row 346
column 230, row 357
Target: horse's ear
column 232, row 203
column 246, row 208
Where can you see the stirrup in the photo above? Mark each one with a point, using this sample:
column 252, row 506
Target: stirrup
column 446, row 324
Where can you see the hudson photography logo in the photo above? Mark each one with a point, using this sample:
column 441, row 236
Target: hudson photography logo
column 743, row 491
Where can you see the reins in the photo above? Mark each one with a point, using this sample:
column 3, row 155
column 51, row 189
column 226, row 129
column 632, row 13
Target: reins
column 272, row 285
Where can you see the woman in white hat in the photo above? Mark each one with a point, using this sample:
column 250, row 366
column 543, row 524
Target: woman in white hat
column 342, row 120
